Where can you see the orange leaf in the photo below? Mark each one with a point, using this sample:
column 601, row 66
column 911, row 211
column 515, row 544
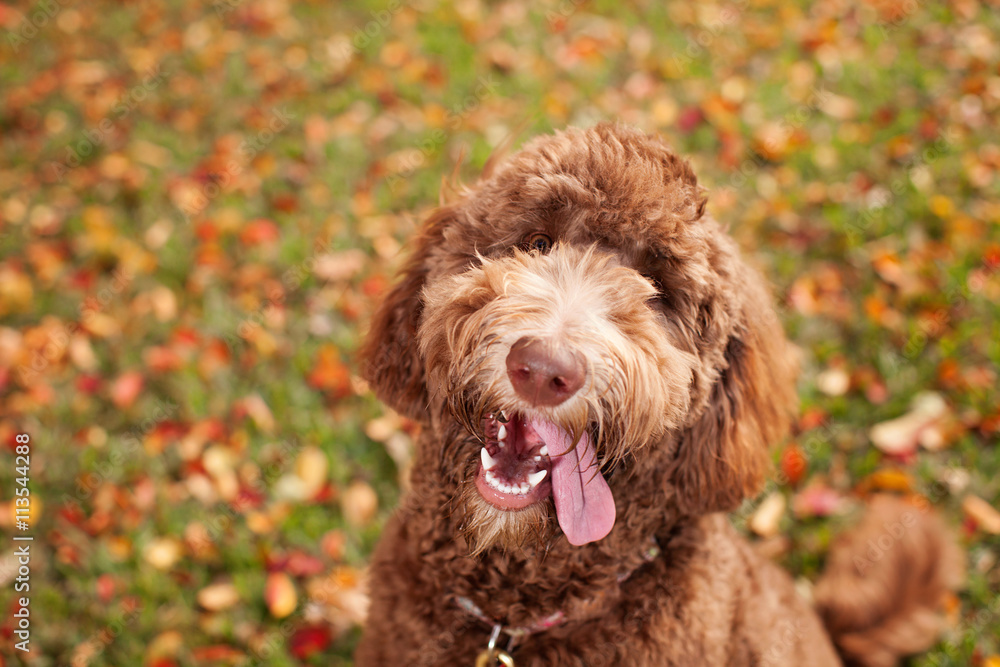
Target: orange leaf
column 793, row 463
column 330, row 373
column 259, row 231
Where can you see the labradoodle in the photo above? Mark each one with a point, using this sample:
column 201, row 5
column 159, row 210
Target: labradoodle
column 598, row 376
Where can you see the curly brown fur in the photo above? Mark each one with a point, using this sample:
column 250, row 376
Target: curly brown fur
column 687, row 381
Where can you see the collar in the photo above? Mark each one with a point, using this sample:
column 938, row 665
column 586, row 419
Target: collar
column 516, row 632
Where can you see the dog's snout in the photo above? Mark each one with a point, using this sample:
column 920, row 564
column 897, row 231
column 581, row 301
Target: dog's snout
column 544, row 373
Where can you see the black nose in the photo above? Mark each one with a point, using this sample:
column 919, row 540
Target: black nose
column 544, row 373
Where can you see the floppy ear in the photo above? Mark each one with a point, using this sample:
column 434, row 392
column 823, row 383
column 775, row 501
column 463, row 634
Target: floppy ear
column 723, row 457
column 390, row 360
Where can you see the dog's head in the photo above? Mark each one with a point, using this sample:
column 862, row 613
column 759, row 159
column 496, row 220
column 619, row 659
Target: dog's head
column 577, row 311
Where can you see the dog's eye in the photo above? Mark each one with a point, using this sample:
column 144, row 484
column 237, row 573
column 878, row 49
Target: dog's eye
column 538, row 241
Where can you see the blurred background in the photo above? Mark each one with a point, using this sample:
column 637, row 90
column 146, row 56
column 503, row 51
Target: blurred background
column 201, row 202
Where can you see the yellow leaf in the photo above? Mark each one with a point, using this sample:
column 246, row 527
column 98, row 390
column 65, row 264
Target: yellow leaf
column 162, row 553
column 941, row 206
column 217, row 597
column 359, row 504
column 985, row 515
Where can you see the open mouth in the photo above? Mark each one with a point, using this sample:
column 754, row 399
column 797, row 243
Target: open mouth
column 514, row 464
column 526, row 459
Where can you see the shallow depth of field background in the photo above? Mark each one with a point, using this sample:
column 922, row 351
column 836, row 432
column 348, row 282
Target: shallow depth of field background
column 201, row 203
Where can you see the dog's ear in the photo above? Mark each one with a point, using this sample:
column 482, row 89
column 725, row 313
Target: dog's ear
column 723, row 456
column 390, row 360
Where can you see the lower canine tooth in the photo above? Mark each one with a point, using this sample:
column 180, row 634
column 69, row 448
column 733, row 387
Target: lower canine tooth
column 536, row 477
column 502, row 433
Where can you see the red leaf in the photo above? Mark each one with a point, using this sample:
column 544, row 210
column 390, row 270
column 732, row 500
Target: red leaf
column 126, row 389
column 812, row 418
column 689, row 119
column 301, row 564
column 259, row 231
column 310, row 640
column 88, row 384
column 186, row 336
column 105, row 587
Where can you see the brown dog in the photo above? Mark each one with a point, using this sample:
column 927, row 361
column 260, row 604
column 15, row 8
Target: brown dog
column 599, row 376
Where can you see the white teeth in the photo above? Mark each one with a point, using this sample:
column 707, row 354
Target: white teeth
column 538, row 459
column 502, row 433
column 503, row 416
column 488, row 461
column 544, row 451
column 504, row 486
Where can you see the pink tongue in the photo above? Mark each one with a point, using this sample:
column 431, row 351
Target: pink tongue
column 584, row 504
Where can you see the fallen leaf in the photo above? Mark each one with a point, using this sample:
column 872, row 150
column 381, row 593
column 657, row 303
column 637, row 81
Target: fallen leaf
column 310, row 640
column 793, row 463
column 258, row 232
column 280, row 595
column 217, row 597
column 815, row 501
column 329, row 372
column 890, row 479
column 833, row 382
column 901, row 436
column 163, row 552
column 987, row 518
column 342, row 265
column 767, row 517
column 259, row 412
column 312, row 466
column 126, row 388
